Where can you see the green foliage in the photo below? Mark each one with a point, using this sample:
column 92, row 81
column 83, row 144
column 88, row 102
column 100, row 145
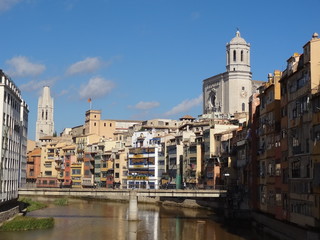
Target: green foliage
column 32, row 205
column 61, row 201
column 21, row 223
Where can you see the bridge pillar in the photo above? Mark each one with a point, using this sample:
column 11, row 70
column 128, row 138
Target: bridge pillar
column 133, row 206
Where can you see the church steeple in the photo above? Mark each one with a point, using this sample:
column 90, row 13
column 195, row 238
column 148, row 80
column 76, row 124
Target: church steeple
column 45, row 123
column 238, row 54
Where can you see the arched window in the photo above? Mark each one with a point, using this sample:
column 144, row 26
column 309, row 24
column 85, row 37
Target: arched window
column 42, row 114
column 243, row 107
column 47, row 115
column 241, row 56
column 234, row 55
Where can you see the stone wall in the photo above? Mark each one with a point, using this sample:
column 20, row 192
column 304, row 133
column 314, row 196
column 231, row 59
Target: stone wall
column 282, row 230
column 5, row 215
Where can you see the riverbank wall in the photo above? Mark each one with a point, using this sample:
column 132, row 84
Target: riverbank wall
column 282, row 230
column 8, row 214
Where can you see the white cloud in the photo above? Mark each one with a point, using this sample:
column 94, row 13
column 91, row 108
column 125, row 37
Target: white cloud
column 185, row 106
column 22, row 67
column 36, row 85
column 7, row 4
column 97, row 87
column 146, row 105
column 90, row 64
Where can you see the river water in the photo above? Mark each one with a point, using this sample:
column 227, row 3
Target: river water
column 86, row 220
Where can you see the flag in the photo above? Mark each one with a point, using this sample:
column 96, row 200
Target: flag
column 89, row 99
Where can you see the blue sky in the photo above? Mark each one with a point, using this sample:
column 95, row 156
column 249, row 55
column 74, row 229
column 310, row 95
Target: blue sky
column 140, row 59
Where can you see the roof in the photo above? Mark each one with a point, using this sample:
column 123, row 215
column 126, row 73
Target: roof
column 238, row 39
column 187, row 117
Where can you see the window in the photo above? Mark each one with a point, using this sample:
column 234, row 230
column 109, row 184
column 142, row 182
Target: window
column 241, row 56
column 234, row 55
column 95, row 124
column 105, row 124
column 243, row 107
column 117, row 175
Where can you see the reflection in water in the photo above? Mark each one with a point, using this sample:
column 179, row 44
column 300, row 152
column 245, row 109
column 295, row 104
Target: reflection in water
column 108, row 220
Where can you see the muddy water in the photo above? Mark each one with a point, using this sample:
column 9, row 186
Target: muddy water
column 86, row 220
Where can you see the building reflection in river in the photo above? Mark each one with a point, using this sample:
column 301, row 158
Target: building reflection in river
column 84, row 220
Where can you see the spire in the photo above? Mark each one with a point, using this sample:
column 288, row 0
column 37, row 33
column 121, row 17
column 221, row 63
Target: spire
column 238, row 33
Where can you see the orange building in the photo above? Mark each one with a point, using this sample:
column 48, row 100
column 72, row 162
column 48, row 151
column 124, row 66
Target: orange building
column 33, row 166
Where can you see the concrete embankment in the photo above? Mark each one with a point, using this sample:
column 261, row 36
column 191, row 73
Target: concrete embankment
column 282, row 230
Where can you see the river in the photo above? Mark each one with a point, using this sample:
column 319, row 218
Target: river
column 86, row 220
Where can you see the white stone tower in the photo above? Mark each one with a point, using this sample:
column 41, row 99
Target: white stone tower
column 45, row 122
column 228, row 93
column 239, row 87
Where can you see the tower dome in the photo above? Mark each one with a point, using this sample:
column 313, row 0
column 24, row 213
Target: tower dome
column 238, row 39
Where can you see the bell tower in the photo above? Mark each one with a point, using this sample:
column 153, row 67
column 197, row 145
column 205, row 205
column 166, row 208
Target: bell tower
column 45, row 122
column 238, row 54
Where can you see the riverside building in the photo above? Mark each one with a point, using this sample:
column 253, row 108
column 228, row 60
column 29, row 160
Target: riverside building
column 13, row 142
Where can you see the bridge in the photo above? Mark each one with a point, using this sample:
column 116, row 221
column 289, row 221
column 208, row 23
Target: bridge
column 120, row 194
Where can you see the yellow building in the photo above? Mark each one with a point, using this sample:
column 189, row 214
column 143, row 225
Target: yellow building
column 300, row 86
column 76, row 174
column 94, row 125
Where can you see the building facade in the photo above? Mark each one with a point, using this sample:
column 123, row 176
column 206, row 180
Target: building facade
column 13, row 127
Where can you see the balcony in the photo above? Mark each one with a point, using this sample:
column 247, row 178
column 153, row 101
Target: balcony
column 59, row 167
column 58, row 159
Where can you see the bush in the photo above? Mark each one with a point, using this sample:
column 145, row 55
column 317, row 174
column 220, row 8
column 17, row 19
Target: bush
column 32, row 205
column 27, row 223
column 61, row 201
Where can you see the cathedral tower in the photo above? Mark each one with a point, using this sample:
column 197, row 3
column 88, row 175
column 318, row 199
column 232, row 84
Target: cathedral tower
column 238, row 54
column 228, row 93
column 45, row 123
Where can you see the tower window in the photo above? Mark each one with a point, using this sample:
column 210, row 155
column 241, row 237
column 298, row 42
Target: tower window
column 243, row 107
column 241, row 56
column 234, row 55
column 242, row 88
column 95, row 124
